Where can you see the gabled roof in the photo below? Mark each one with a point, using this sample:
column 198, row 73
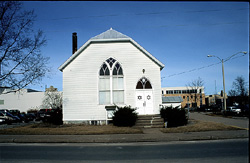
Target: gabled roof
column 110, row 35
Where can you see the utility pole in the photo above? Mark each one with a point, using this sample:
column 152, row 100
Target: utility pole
column 223, row 75
column 215, row 87
column 224, row 89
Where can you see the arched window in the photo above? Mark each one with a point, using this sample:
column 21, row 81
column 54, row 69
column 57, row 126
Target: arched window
column 117, row 69
column 110, row 61
column 143, row 83
column 111, row 89
column 104, row 70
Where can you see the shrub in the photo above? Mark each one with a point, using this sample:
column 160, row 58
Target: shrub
column 54, row 117
column 125, row 116
column 174, row 116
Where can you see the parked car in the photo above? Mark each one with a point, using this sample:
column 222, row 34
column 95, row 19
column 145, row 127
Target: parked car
column 208, row 109
column 2, row 121
column 18, row 114
column 22, row 116
column 14, row 112
column 4, row 110
column 41, row 114
column 234, row 109
column 31, row 116
column 5, row 118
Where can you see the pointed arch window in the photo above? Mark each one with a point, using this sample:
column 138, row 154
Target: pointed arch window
column 117, row 70
column 110, row 61
column 104, row 70
column 111, row 85
column 143, row 83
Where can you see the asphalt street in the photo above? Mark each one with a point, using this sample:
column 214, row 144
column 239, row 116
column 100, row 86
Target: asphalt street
column 149, row 135
column 152, row 146
column 216, row 151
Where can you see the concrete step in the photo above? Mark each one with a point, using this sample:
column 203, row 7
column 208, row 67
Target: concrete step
column 140, row 117
column 148, row 126
column 149, row 121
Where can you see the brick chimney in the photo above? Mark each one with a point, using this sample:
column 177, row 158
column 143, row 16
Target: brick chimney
column 74, row 42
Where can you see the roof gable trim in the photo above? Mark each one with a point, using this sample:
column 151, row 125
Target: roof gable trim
column 111, row 40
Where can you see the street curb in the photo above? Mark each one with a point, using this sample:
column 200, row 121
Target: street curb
column 241, row 128
column 126, row 138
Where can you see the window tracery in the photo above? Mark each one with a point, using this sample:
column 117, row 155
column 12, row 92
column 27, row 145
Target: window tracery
column 111, row 89
column 143, row 83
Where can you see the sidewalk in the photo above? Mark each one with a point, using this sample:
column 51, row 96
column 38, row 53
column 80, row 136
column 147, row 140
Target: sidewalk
column 149, row 135
column 242, row 122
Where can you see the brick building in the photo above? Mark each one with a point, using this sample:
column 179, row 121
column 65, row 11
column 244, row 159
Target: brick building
column 191, row 97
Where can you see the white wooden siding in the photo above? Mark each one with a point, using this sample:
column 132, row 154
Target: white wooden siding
column 81, row 77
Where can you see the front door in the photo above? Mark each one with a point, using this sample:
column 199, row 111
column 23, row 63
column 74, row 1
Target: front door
column 144, row 97
column 144, row 102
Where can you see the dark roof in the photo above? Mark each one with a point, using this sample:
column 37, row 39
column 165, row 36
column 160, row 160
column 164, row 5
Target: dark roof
column 172, row 99
column 32, row 90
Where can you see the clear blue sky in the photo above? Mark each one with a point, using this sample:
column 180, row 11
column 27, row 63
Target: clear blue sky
column 179, row 34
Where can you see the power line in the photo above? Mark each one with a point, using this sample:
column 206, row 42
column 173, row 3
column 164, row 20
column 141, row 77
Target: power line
column 209, row 24
column 138, row 14
column 200, row 68
column 176, row 25
column 184, row 72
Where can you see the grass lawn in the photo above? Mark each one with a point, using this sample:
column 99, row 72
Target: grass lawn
column 198, row 126
column 72, row 129
column 80, row 129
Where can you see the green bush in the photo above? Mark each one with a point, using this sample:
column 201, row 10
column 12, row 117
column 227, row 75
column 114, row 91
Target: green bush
column 125, row 116
column 174, row 116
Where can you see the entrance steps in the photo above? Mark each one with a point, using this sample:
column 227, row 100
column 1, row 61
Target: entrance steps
column 149, row 121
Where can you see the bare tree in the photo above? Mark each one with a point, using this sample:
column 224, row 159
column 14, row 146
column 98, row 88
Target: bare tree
column 239, row 87
column 52, row 99
column 239, row 90
column 21, row 62
column 194, row 87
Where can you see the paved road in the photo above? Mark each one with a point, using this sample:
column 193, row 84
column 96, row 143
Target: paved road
column 242, row 122
column 150, row 135
column 229, row 151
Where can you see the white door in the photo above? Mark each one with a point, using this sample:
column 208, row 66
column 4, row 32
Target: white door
column 144, row 102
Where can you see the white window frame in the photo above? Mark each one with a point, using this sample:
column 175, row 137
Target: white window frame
column 111, row 87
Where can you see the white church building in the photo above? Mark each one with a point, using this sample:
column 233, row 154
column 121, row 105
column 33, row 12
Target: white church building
column 109, row 70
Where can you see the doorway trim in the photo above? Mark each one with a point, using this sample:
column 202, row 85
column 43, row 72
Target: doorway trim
column 144, row 97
